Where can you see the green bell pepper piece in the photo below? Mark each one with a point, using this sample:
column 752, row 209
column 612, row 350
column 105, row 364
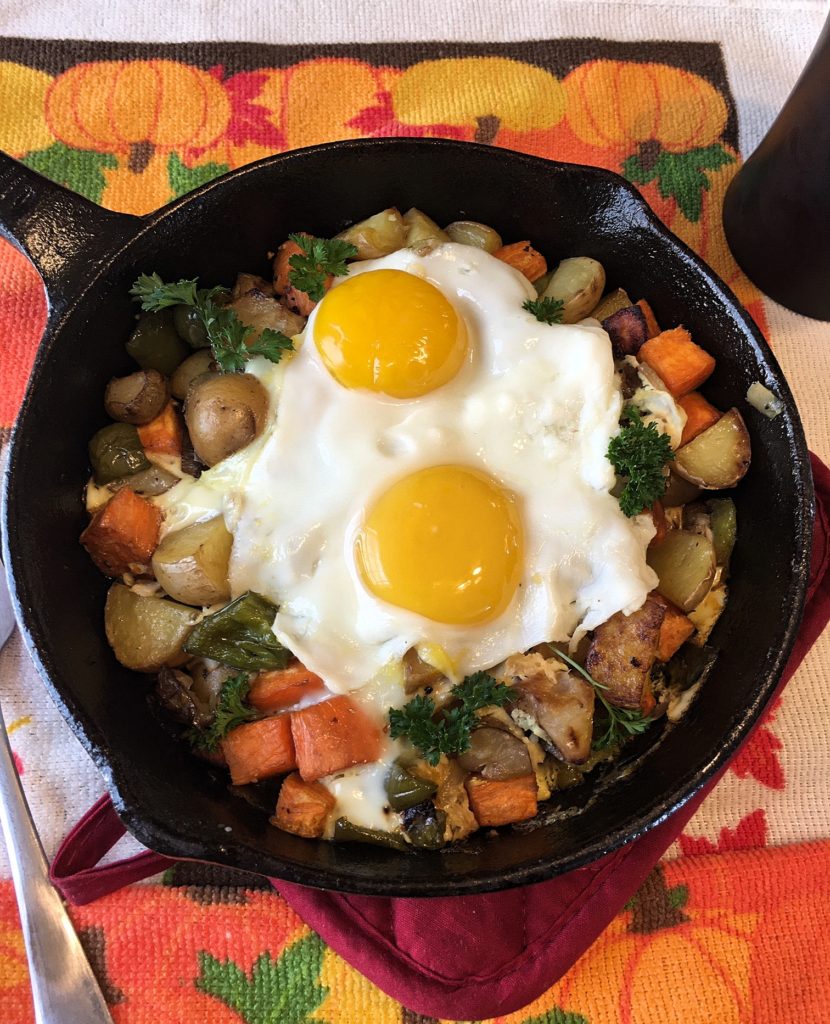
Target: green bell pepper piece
column 116, row 451
column 154, row 343
column 346, row 832
column 724, row 520
column 190, row 327
column 404, row 790
column 424, row 824
column 240, row 635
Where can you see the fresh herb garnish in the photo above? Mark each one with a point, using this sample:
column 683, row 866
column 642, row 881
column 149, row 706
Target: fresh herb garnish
column 546, row 310
column 451, row 731
column 319, row 258
column 639, row 453
column 231, row 711
column 227, row 335
column 154, row 294
column 622, row 722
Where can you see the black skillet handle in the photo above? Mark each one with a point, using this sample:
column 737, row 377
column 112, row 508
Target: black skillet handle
column 64, row 235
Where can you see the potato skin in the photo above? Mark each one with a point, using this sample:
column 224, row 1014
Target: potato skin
column 194, row 366
column 137, row 398
column 578, row 282
column 146, row 633
column 623, row 651
column 719, row 456
column 224, row 412
column 192, row 564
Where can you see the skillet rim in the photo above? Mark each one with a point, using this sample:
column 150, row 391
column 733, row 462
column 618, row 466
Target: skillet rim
column 160, row 836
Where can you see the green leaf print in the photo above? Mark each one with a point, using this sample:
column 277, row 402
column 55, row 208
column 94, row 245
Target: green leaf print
column 680, row 176
column 557, row 1016
column 78, row 169
column 679, row 896
column 184, row 179
column 282, row 991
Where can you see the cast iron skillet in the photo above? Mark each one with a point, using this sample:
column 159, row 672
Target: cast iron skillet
column 89, row 257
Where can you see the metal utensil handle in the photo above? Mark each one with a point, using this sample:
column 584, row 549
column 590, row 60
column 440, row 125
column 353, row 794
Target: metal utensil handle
column 64, row 989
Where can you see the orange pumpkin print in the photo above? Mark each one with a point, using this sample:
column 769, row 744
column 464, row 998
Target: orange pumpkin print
column 624, row 978
column 241, row 929
column 616, row 104
column 135, row 107
column 322, row 96
column 137, row 192
column 254, row 128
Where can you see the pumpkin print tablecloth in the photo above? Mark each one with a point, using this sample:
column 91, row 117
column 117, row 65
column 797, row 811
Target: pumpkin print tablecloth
column 732, row 927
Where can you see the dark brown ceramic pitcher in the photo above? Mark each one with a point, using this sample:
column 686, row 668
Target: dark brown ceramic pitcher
column 777, row 211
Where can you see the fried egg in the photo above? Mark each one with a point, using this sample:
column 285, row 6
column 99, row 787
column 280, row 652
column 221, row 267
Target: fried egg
column 433, row 475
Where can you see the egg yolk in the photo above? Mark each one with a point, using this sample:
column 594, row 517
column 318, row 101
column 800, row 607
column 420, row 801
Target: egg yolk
column 391, row 332
column 446, row 543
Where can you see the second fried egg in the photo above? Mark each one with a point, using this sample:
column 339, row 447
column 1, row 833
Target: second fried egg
column 435, row 474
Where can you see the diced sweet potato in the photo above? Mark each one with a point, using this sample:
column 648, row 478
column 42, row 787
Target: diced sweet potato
column 273, row 691
column 677, row 360
column 292, row 297
column 123, row 534
column 524, row 258
column 163, row 435
column 501, row 802
column 699, row 415
column 333, row 735
column 627, row 330
column 652, row 327
column 675, row 629
column 303, row 807
column 658, row 517
column 623, row 651
column 259, row 750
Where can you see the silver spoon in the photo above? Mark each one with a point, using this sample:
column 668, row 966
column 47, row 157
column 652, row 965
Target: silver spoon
column 64, row 989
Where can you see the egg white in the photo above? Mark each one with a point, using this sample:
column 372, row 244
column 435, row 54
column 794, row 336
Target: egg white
column 533, row 405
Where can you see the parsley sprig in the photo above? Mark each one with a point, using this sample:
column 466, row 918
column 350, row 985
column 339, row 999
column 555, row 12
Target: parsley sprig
column 154, row 294
column 639, row 453
column 622, row 722
column 319, row 258
column 231, row 711
column 450, row 731
column 546, row 310
column 227, row 335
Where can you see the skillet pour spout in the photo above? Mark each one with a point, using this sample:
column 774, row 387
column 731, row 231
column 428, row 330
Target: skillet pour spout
column 89, row 257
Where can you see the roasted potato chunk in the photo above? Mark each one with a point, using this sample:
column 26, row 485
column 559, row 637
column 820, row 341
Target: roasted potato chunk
column 554, row 701
column 146, row 633
column 194, row 366
column 192, row 564
column 685, row 564
column 623, row 652
column 479, row 236
column 578, row 283
column 422, row 233
column 258, row 310
column 717, row 458
column 377, row 236
column 610, row 303
column 224, row 412
column 137, row 398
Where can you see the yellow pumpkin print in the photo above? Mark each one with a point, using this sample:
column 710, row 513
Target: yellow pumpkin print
column 483, row 93
column 23, row 125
